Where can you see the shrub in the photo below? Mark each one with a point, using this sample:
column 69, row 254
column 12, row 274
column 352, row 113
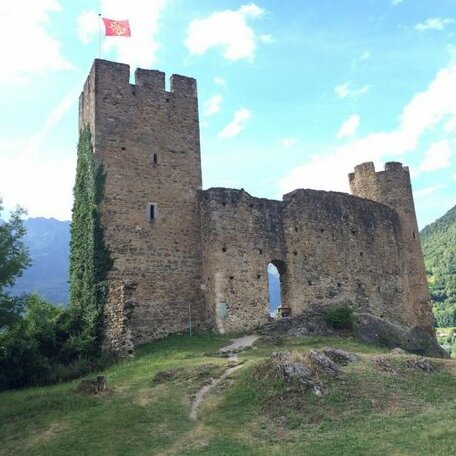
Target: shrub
column 339, row 318
column 40, row 348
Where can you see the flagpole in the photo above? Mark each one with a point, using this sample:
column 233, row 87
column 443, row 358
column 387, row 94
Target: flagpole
column 99, row 35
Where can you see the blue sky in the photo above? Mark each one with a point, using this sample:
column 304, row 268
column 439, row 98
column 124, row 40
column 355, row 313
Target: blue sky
column 292, row 93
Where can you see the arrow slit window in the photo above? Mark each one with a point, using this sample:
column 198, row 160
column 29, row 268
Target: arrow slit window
column 152, row 211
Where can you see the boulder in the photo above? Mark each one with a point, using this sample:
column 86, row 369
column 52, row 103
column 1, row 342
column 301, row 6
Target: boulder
column 383, row 365
column 375, row 330
column 291, row 369
column 341, row 357
column 323, row 363
column 398, row 351
column 421, row 364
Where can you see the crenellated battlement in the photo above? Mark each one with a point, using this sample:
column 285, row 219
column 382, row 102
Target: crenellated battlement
column 395, row 166
column 112, row 74
column 364, row 170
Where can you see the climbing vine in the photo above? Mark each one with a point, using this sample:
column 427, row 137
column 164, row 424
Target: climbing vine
column 89, row 257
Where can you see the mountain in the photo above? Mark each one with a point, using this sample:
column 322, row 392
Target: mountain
column 439, row 249
column 48, row 241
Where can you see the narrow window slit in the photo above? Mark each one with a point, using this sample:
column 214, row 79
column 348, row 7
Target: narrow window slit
column 152, row 211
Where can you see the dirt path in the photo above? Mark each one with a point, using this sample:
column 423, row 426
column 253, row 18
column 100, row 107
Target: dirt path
column 240, row 343
column 235, row 346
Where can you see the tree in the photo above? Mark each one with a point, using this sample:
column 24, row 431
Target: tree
column 14, row 258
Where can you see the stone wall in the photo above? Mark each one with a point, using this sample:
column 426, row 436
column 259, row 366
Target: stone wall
column 119, row 306
column 330, row 248
column 241, row 235
column 343, row 250
column 147, row 140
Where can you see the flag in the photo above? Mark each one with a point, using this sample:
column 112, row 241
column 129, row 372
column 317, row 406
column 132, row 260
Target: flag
column 116, row 28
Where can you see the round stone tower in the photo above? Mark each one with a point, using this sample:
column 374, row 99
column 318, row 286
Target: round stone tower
column 392, row 187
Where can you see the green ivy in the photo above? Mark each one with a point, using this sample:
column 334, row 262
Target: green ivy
column 89, row 257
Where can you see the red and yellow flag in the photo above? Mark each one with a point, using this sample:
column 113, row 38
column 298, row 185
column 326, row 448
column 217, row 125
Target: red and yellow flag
column 116, row 28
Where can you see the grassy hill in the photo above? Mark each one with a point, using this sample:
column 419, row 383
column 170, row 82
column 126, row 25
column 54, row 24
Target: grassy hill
column 363, row 411
column 439, row 249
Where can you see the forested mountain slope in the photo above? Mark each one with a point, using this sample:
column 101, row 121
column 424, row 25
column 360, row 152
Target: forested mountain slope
column 439, row 248
column 48, row 241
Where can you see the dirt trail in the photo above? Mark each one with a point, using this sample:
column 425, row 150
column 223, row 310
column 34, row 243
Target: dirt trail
column 235, row 346
column 240, row 343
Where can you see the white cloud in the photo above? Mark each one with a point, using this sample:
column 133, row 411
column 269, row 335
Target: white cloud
column 437, row 157
column 27, row 46
column 426, row 110
column 433, row 23
column 87, row 26
column 363, row 57
column 212, row 105
column 51, row 195
column 349, row 127
column 267, row 39
column 33, row 145
column 288, row 142
column 396, row 2
column 427, row 190
column 344, row 90
column 226, row 29
column 451, row 49
column 450, row 125
column 140, row 50
column 237, row 124
column 219, row 81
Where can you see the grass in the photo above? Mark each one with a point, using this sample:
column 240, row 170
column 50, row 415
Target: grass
column 364, row 411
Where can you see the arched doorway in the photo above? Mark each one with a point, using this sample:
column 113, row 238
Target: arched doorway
column 276, row 274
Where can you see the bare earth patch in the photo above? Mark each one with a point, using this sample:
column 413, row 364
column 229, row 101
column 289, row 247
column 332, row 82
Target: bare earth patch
column 236, row 345
column 41, row 437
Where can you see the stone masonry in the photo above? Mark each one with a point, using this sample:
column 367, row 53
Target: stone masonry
column 186, row 256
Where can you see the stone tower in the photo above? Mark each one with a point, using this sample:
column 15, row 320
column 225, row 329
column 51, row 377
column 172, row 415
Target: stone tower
column 392, row 187
column 147, row 140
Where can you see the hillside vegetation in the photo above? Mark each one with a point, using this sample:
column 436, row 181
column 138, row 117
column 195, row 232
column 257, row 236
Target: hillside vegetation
column 439, row 249
column 363, row 411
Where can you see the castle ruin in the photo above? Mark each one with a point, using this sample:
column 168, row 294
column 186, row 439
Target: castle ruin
column 181, row 253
